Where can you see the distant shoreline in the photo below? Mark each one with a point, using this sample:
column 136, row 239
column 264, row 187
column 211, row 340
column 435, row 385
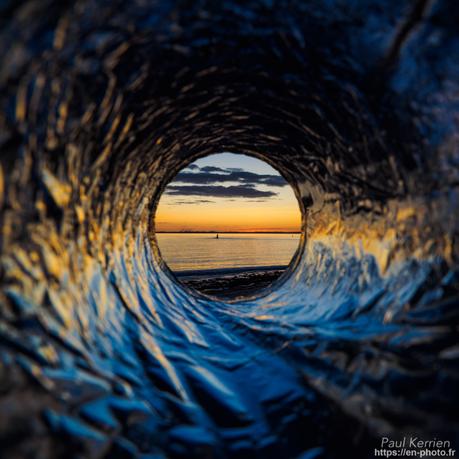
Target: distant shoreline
column 228, row 232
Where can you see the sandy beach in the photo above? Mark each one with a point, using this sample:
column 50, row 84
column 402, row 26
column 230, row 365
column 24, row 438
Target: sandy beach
column 231, row 283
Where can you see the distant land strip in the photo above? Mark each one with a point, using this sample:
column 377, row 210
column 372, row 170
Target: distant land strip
column 228, row 232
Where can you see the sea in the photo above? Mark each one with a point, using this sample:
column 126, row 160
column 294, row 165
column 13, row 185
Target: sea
column 203, row 251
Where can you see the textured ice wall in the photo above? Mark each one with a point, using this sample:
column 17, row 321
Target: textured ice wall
column 103, row 354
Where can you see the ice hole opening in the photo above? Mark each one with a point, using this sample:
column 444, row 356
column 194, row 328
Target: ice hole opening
column 229, row 226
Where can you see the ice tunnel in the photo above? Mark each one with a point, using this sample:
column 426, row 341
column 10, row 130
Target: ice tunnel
column 103, row 353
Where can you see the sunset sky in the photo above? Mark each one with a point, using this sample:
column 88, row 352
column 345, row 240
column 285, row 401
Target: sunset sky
column 228, row 192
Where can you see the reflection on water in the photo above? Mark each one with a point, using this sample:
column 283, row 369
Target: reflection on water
column 233, row 250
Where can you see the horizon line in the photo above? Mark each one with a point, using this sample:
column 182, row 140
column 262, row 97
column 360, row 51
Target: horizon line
column 230, row 232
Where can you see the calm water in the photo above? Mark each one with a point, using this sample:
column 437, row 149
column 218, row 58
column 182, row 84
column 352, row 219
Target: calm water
column 203, row 251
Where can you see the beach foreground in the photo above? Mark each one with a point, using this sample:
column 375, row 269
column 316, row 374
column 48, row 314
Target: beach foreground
column 231, row 283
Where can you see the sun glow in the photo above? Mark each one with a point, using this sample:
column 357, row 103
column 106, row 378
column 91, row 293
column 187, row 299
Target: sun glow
column 214, row 195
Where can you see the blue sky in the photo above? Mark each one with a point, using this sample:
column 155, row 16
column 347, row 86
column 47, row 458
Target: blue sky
column 228, row 192
column 229, row 160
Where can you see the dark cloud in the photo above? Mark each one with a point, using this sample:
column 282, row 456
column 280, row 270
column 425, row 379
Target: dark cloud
column 259, row 179
column 198, row 177
column 194, row 201
column 206, row 176
column 207, row 180
column 219, row 191
column 213, row 169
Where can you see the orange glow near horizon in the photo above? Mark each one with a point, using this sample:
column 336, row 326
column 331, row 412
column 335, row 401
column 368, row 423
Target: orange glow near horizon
column 278, row 212
column 228, row 217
